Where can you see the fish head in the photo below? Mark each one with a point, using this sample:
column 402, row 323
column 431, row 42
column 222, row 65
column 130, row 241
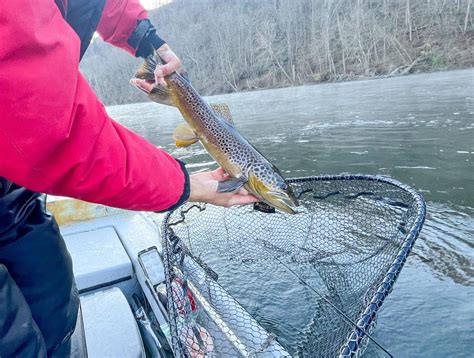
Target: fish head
column 266, row 182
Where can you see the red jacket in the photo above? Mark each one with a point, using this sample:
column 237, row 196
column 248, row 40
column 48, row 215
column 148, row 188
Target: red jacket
column 55, row 136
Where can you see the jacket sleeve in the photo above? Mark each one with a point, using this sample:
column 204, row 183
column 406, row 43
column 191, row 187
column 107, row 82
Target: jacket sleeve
column 118, row 22
column 124, row 24
column 55, row 135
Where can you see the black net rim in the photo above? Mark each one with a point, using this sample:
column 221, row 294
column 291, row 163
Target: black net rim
column 367, row 318
column 380, row 293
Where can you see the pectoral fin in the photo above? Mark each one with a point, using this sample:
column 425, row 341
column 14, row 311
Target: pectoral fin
column 223, row 110
column 230, row 185
column 184, row 136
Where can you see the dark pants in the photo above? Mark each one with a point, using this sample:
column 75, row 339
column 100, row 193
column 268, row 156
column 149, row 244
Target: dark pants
column 38, row 298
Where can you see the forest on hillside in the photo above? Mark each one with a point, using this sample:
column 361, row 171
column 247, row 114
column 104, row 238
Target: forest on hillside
column 239, row 45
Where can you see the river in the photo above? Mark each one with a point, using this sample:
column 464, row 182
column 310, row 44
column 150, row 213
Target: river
column 417, row 129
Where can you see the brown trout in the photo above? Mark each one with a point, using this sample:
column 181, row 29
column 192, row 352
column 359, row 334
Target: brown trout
column 212, row 125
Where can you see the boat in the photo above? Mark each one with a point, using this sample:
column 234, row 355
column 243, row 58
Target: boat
column 119, row 273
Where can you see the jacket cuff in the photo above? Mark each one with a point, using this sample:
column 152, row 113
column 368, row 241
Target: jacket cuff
column 145, row 39
column 186, row 191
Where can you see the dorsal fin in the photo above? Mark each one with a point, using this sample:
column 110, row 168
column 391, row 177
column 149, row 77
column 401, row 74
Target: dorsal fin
column 223, row 110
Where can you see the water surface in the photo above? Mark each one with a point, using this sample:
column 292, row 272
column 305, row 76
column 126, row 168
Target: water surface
column 417, row 129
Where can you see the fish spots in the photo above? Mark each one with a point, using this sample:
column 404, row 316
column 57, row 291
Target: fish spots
column 225, row 137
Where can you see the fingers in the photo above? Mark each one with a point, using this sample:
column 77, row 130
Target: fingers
column 159, row 77
column 172, row 64
column 243, row 191
column 142, row 85
column 238, row 199
column 204, row 189
column 219, row 174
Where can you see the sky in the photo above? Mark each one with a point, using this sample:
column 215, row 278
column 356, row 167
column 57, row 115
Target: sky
column 152, row 4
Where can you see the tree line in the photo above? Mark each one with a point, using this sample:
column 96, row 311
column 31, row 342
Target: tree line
column 229, row 45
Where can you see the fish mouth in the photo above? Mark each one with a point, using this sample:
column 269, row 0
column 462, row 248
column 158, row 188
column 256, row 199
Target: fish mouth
column 280, row 197
column 283, row 201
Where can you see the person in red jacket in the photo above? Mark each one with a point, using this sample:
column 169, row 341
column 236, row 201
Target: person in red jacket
column 56, row 138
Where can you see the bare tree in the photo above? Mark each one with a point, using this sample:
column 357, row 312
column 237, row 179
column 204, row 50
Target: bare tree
column 229, row 45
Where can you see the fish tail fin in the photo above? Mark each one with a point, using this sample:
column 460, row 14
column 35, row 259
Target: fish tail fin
column 146, row 73
column 162, row 95
column 147, row 69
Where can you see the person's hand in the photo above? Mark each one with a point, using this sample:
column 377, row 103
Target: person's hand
column 204, row 189
column 172, row 64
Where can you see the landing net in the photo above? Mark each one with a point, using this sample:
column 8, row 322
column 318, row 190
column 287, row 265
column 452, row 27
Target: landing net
column 244, row 283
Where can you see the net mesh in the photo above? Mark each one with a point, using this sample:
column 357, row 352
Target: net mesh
column 241, row 282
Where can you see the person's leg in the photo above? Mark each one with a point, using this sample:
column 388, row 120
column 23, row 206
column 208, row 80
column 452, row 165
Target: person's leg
column 34, row 252
column 19, row 334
